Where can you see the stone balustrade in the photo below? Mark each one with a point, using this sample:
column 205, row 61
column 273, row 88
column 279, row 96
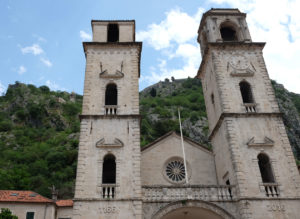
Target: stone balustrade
column 173, row 193
column 108, row 191
column 110, row 109
column 271, row 189
column 250, row 107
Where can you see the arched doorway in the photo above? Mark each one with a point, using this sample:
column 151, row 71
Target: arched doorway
column 192, row 210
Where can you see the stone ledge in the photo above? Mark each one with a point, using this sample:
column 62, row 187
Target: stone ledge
column 241, row 115
column 89, row 116
column 106, row 200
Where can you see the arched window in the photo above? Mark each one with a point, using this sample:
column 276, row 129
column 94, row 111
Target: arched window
column 265, row 168
column 109, row 169
column 111, row 95
column 228, row 32
column 246, row 92
column 113, row 33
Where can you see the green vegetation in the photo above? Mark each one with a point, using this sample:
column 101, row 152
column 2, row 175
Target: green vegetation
column 164, row 108
column 6, row 214
column 38, row 139
column 39, row 129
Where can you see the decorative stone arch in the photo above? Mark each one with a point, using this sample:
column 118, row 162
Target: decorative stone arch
column 206, row 207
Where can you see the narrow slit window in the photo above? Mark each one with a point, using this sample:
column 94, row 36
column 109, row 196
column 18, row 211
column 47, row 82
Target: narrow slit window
column 111, row 95
column 109, row 170
column 113, row 33
column 212, row 97
column 246, row 92
column 265, row 168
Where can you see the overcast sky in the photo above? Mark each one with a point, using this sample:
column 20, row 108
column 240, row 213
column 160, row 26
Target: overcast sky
column 41, row 41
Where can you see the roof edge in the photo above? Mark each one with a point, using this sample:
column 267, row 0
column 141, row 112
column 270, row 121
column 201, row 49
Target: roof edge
column 178, row 135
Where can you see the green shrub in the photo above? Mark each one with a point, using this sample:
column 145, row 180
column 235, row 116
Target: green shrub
column 5, row 126
column 6, row 214
column 33, row 89
column 193, row 97
column 194, row 117
column 71, row 109
column 44, row 89
column 21, row 114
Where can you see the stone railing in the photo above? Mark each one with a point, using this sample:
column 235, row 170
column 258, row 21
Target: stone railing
column 271, row 189
column 108, row 191
column 110, row 109
column 250, row 107
column 173, row 193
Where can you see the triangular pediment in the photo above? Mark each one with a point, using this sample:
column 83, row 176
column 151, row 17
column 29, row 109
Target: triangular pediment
column 117, row 74
column 173, row 134
column 266, row 143
column 116, row 143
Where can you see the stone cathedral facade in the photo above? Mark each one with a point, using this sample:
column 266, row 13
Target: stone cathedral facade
column 251, row 172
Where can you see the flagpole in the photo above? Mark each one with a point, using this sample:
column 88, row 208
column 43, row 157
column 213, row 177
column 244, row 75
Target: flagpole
column 183, row 151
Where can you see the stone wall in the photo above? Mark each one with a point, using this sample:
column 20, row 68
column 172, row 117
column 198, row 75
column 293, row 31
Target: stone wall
column 41, row 210
column 200, row 162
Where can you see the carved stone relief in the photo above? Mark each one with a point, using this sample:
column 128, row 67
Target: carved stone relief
column 239, row 65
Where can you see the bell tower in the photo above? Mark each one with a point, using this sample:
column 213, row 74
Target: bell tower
column 108, row 183
column 251, row 147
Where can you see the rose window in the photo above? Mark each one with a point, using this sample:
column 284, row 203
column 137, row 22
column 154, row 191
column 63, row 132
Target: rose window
column 175, row 171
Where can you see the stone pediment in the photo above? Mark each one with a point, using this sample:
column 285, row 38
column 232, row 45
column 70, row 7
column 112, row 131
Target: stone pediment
column 241, row 72
column 116, row 143
column 116, row 75
column 266, row 143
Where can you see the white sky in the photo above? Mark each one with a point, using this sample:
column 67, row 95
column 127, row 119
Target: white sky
column 276, row 22
column 40, row 48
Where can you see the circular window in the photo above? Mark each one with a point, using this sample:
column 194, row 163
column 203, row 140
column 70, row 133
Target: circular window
column 175, row 171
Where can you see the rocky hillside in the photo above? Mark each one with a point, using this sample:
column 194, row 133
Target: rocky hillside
column 159, row 104
column 39, row 129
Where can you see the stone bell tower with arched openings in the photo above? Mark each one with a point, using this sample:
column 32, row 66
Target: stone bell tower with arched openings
column 108, row 183
column 250, row 144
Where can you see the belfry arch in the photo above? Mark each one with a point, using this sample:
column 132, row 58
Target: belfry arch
column 192, row 210
column 229, row 31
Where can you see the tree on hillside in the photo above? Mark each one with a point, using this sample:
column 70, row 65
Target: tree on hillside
column 153, row 92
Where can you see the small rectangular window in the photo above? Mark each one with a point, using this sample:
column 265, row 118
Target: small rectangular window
column 113, row 33
column 30, row 215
